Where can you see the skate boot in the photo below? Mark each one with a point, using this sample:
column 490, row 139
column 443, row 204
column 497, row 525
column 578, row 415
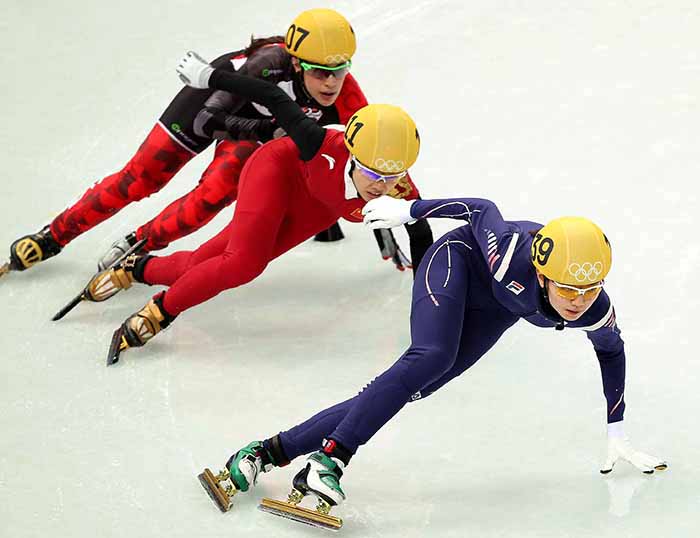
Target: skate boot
column 116, row 251
column 30, row 250
column 139, row 328
column 108, row 283
column 240, row 473
column 320, row 478
column 334, row 233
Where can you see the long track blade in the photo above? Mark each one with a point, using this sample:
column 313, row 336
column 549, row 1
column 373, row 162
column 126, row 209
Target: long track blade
column 215, row 491
column 300, row 514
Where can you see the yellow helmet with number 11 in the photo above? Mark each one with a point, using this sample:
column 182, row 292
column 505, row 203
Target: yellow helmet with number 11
column 383, row 138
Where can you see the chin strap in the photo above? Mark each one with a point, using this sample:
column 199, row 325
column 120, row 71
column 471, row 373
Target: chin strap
column 548, row 309
column 299, row 81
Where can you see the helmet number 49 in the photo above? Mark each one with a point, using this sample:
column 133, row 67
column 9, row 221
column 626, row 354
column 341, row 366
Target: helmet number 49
column 291, row 34
column 541, row 249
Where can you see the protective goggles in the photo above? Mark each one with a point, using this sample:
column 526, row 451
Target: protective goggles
column 323, row 71
column 375, row 176
column 572, row 292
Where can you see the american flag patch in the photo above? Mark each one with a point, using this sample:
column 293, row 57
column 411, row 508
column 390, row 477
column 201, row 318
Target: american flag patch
column 515, row 287
column 492, row 245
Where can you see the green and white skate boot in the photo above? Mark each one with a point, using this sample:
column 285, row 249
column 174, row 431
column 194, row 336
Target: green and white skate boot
column 240, row 474
column 320, row 477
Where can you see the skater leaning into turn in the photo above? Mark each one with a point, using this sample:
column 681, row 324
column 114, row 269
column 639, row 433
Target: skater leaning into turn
column 290, row 189
column 196, row 118
column 472, row 285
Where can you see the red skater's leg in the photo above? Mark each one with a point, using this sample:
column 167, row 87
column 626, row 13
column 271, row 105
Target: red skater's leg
column 217, row 189
column 157, row 160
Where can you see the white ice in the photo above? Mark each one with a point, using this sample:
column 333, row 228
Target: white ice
column 547, row 107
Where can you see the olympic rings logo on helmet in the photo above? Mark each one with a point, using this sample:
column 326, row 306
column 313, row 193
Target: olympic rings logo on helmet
column 335, row 59
column 586, row 271
column 388, row 165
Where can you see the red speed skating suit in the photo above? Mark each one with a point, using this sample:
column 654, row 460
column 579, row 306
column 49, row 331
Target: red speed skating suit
column 282, row 201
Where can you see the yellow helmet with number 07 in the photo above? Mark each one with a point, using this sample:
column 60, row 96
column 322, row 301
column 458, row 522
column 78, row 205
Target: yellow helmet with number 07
column 321, row 36
column 572, row 251
column 383, row 138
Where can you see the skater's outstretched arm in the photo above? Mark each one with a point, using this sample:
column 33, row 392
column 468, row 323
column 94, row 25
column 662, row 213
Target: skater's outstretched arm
column 219, row 118
column 304, row 131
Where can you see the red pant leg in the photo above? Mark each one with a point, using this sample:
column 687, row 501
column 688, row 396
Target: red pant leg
column 157, row 160
column 217, row 189
column 266, row 191
column 165, row 270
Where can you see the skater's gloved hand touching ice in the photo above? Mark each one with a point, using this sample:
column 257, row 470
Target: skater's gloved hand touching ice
column 619, row 448
column 194, row 70
column 387, row 212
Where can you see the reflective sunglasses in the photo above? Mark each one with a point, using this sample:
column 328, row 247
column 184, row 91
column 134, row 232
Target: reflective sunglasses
column 375, row 176
column 322, row 72
column 572, row 292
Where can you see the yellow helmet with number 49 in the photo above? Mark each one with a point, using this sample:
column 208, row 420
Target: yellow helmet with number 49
column 321, row 36
column 383, row 138
column 573, row 251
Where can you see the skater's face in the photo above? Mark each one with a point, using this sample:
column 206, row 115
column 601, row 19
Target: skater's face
column 323, row 86
column 569, row 309
column 369, row 189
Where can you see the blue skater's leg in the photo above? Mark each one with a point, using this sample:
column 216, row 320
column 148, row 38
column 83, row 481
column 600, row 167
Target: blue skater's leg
column 482, row 329
column 436, row 322
column 440, row 295
column 307, row 436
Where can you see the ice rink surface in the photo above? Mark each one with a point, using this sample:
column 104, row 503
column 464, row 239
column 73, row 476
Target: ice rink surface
column 548, row 108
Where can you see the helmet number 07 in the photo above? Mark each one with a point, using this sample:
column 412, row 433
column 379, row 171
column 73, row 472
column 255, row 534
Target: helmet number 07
column 291, row 34
column 542, row 248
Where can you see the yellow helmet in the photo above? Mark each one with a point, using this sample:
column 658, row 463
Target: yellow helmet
column 383, row 138
column 573, row 251
column 321, row 36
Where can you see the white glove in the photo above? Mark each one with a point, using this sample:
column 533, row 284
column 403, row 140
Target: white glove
column 387, row 212
column 194, row 70
column 619, row 448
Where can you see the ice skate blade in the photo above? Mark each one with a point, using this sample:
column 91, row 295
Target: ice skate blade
column 300, row 514
column 70, row 306
column 215, row 491
column 116, row 347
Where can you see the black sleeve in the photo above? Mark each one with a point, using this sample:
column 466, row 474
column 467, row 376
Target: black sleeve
column 421, row 237
column 304, row 131
column 218, row 124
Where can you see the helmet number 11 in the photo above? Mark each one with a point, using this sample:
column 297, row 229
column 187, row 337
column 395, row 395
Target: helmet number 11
column 355, row 126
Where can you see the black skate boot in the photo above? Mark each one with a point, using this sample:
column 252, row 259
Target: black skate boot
column 30, row 250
